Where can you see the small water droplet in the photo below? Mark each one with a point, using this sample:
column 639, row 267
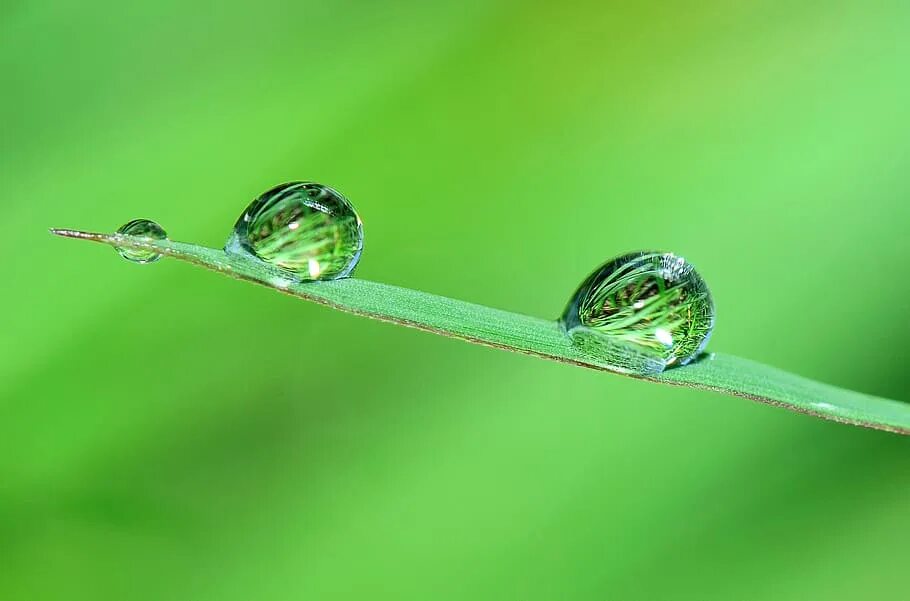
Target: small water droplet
column 145, row 229
column 641, row 313
column 308, row 230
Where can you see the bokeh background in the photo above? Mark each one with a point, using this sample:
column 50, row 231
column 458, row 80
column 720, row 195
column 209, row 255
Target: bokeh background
column 166, row 433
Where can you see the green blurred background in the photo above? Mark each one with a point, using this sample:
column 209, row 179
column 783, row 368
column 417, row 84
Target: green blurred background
column 166, row 433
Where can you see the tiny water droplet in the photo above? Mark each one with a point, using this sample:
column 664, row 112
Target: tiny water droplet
column 641, row 313
column 308, row 230
column 146, row 229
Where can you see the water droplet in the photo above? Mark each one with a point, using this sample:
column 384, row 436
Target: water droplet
column 145, row 229
column 308, row 230
column 641, row 313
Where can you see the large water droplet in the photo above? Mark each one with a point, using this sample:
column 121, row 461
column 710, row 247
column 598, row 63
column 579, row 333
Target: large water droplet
column 641, row 313
column 145, row 229
column 308, row 230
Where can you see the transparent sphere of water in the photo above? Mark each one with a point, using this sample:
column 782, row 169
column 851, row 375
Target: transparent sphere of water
column 146, row 229
column 308, row 230
column 642, row 312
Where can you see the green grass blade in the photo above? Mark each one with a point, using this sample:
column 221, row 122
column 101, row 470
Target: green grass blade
column 534, row 336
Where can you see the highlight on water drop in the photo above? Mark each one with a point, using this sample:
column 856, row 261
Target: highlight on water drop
column 641, row 313
column 308, row 230
column 147, row 230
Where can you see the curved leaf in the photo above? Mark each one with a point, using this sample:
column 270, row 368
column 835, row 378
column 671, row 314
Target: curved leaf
column 534, row 336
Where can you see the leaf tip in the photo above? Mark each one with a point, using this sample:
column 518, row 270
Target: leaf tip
column 66, row 233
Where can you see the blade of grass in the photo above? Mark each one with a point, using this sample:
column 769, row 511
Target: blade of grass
column 533, row 336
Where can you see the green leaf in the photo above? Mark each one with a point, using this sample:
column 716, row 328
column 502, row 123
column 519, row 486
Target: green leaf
column 534, row 336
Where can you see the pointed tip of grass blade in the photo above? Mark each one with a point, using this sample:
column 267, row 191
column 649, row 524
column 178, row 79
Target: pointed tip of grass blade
column 66, row 233
column 77, row 234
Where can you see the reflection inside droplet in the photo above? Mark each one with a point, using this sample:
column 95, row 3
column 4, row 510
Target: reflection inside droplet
column 306, row 229
column 654, row 305
column 145, row 229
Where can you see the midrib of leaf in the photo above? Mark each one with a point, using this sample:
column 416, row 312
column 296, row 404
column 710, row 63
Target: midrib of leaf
column 534, row 336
